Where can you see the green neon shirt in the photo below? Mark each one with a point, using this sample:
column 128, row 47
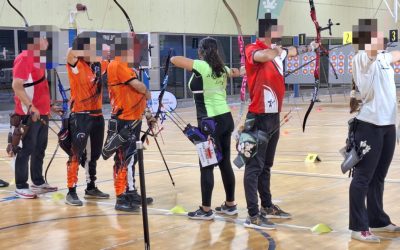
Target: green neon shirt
column 209, row 93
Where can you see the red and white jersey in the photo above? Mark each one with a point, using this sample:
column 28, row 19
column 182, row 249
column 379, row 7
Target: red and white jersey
column 266, row 82
column 36, row 85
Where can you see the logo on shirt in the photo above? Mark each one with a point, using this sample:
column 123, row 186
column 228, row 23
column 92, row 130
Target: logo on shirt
column 218, row 81
column 270, row 100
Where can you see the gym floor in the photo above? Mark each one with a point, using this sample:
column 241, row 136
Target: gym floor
column 315, row 193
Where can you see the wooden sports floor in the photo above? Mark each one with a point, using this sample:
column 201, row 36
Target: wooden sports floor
column 313, row 192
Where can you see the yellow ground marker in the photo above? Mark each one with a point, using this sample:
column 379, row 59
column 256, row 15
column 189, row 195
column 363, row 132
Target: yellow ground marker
column 57, row 196
column 321, row 228
column 312, row 157
column 178, row 210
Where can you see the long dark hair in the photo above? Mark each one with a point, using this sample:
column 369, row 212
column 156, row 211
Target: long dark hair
column 208, row 50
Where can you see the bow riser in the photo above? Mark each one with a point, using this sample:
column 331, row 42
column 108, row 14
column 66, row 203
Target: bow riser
column 242, row 64
column 317, row 61
column 241, row 48
column 164, row 85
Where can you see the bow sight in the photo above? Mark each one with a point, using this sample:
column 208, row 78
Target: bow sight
column 328, row 26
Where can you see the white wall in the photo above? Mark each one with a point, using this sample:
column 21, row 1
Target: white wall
column 193, row 16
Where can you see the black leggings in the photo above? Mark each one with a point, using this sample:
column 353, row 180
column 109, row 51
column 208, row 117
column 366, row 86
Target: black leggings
column 369, row 176
column 222, row 139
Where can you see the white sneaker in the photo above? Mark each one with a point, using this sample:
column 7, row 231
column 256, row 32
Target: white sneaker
column 392, row 228
column 44, row 188
column 365, row 236
column 25, row 193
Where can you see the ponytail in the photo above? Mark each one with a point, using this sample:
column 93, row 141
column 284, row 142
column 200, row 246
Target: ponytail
column 208, row 49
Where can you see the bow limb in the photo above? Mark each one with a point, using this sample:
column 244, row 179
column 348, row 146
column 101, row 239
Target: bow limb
column 128, row 19
column 64, row 97
column 126, row 16
column 19, row 13
column 238, row 26
column 242, row 64
column 313, row 15
column 241, row 50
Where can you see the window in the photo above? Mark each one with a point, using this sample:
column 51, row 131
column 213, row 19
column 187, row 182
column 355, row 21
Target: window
column 176, row 76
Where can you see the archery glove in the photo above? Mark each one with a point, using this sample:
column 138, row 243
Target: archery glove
column 314, row 45
column 151, row 120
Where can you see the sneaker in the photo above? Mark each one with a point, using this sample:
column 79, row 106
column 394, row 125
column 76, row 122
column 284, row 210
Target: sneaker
column 225, row 209
column 25, row 193
column 73, row 199
column 200, row 214
column 274, row 212
column 95, row 193
column 392, row 228
column 136, row 198
column 366, row 236
column 3, row 183
column 123, row 203
column 44, row 188
column 259, row 222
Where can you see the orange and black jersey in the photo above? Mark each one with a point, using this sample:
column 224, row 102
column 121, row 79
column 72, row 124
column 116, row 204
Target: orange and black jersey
column 86, row 86
column 126, row 102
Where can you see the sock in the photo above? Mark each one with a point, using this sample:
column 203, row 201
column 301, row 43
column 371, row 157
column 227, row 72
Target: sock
column 90, row 185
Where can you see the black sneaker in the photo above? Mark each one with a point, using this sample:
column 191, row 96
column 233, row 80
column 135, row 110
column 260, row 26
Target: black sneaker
column 136, row 198
column 73, row 199
column 225, row 209
column 200, row 214
column 3, row 183
column 124, row 204
column 95, row 193
column 274, row 212
column 259, row 222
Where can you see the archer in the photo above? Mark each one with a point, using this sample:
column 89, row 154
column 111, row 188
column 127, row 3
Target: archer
column 374, row 131
column 128, row 98
column 266, row 85
column 86, row 121
column 32, row 109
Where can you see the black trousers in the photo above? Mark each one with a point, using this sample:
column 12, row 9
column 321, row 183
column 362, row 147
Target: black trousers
column 222, row 139
column 34, row 146
column 257, row 173
column 366, row 188
column 87, row 141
